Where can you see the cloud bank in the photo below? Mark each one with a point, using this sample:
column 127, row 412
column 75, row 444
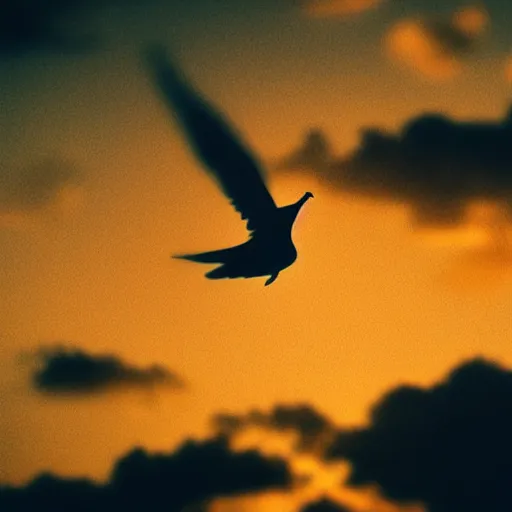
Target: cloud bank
column 434, row 164
column 448, row 446
column 195, row 473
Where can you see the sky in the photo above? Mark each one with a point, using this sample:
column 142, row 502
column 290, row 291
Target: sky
column 393, row 113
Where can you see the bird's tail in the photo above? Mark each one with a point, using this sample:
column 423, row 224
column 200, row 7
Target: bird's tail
column 220, row 256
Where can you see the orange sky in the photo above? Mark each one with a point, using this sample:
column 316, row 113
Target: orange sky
column 369, row 304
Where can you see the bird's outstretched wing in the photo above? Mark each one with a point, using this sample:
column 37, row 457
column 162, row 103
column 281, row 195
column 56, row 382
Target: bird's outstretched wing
column 214, row 142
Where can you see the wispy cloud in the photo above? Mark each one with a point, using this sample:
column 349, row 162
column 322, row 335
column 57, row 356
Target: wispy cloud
column 487, row 264
column 437, row 47
column 312, row 429
column 51, row 184
column 337, row 8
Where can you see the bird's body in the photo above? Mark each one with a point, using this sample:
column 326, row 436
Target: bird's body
column 270, row 248
column 254, row 258
column 266, row 253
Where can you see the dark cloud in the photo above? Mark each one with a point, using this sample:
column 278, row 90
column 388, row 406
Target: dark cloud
column 437, row 47
column 312, row 428
column 324, row 505
column 448, row 446
column 435, row 164
column 44, row 25
column 55, row 26
column 73, row 371
column 35, row 187
column 50, row 493
column 195, row 473
column 315, row 154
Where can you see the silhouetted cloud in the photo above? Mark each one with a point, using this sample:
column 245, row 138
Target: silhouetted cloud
column 337, row 8
column 448, row 446
column 435, row 164
column 437, row 47
column 50, row 493
column 44, row 26
column 55, row 26
column 312, row 428
column 324, row 505
column 196, row 472
column 74, row 371
column 37, row 187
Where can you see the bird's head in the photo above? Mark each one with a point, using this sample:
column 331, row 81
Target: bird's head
column 296, row 207
column 300, row 203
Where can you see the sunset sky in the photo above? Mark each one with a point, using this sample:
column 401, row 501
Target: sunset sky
column 98, row 188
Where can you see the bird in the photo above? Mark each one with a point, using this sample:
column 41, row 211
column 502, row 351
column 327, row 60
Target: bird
column 218, row 146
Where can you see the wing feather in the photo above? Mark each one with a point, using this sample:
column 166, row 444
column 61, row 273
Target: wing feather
column 215, row 143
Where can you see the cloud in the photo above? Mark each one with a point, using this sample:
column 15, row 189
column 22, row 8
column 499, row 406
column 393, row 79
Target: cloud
column 73, row 371
column 485, row 266
column 448, row 446
column 44, row 26
column 436, row 165
column 311, row 427
column 315, row 154
column 196, row 472
column 47, row 492
column 51, row 183
column 54, row 26
column 324, row 505
column 337, row 8
column 437, row 48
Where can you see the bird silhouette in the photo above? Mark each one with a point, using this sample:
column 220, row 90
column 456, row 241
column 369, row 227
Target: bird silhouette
column 270, row 248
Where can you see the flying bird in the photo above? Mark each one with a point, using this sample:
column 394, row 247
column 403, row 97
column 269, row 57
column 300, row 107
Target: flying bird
column 270, row 248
